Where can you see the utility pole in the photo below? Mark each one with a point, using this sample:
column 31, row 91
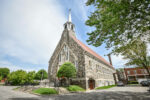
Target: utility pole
column 42, row 76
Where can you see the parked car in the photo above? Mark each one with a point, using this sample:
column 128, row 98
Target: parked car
column 145, row 83
column 120, row 83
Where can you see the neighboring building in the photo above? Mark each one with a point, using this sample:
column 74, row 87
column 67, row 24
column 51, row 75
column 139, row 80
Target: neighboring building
column 92, row 70
column 133, row 74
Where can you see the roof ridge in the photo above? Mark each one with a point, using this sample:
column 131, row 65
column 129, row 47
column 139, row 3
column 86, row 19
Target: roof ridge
column 86, row 48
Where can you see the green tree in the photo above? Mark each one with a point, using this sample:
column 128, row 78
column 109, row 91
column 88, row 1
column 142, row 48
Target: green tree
column 136, row 53
column 4, row 72
column 17, row 77
column 67, row 70
column 117, row 22
column 30, row 77
column 0, row 78
column 41, row 74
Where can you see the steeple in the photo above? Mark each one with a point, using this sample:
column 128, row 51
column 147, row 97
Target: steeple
column 69, row 25
column 69, row 17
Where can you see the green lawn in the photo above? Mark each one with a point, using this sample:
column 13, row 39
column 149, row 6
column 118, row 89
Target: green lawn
column 75, row 88
column 106, row 87
column 45, row 91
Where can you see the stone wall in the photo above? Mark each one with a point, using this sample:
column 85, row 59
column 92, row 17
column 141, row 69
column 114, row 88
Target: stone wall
column 79, row 52
column 79, row 81
column 75, row 55
column 101, row 73
column 53, row 62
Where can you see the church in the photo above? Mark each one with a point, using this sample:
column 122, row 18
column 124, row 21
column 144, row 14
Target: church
column 92, row 69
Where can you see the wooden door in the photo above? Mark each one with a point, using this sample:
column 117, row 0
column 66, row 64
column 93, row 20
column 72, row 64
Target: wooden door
column 91, row 84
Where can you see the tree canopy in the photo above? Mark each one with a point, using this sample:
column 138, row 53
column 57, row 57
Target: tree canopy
column 4, row 72
column 118, row 22
column 17, row 77
column 41, row 74
column 136, row 53
column 30, row 77
column 21, row 77
column 67, row 70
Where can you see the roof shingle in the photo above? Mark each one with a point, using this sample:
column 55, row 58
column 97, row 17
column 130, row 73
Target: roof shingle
column 86, row 48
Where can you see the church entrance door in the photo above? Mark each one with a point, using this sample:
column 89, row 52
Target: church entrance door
column 91, row 83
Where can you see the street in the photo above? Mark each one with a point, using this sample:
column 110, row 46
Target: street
column 116, row 93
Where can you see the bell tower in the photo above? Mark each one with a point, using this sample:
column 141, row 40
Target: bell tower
column 69, row 25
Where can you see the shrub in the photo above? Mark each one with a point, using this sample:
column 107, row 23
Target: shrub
column 45, row 91
column 67, row 70
column 35, row 83
column 132, row 82
column 75, row 88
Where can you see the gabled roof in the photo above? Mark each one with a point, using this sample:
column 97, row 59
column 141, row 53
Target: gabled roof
column 86, row 48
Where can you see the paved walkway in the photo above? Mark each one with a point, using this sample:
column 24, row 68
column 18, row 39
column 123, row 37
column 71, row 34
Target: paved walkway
column 6, row 93
column 115, row 93
column 127, row 89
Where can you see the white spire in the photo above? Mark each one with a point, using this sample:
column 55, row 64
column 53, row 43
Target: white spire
column 69, row 18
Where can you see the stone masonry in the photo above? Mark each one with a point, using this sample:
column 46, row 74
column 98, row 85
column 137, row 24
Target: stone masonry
column 92, row 70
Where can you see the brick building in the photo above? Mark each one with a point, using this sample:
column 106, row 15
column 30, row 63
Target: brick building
column 133, row 74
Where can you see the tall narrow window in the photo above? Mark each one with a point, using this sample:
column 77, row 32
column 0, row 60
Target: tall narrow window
column 60, row 57
column 90, row 63
column 134, row 71
column 76, row 65
column 128, row 72
column 64, row 48
column 67, row 53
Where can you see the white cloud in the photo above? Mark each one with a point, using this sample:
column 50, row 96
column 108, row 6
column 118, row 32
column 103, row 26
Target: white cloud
column 13, row 67
column 118, row 61
column 30, row 29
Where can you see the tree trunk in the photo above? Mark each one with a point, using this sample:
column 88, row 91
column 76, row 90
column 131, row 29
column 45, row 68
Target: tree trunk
column 68, row 81
column 147, row 69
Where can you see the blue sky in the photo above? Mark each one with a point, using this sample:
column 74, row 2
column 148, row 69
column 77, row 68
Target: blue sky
column 31, row 29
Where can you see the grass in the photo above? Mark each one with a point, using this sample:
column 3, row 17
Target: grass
column 106, row 87
column 75, row 88
column 45, row 91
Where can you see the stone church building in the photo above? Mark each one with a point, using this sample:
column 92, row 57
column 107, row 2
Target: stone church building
column 92, row 70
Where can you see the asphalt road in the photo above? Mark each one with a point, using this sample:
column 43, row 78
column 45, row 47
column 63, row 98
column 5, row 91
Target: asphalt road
column 116, row 93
